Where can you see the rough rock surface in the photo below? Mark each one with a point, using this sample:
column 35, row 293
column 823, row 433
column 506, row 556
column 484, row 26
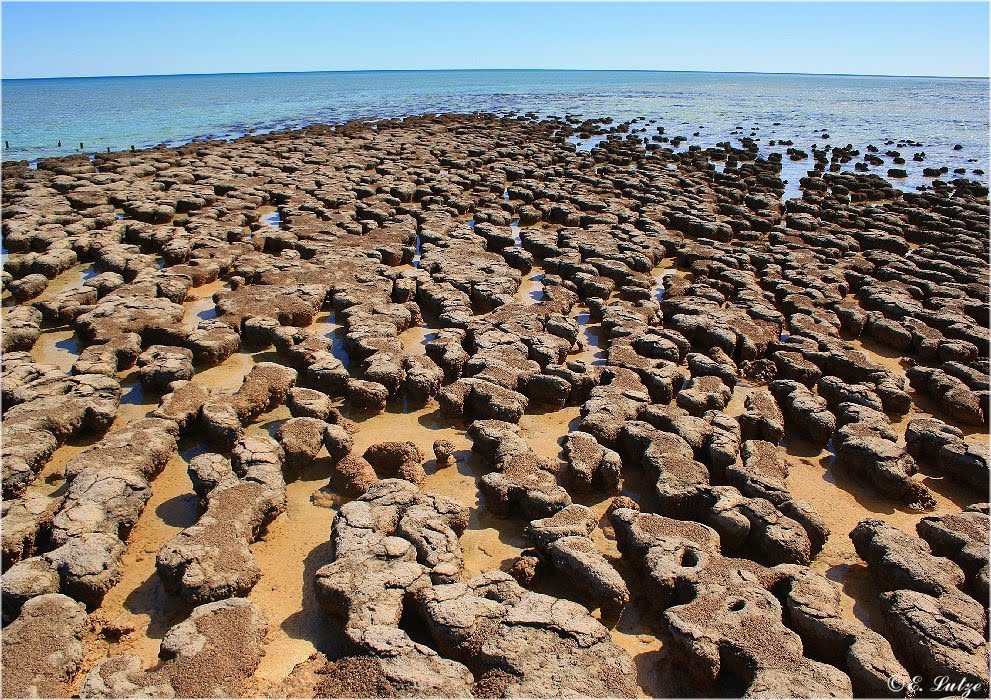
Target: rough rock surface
column 962, row 537
column 43, row 648
column 596, row 306
column 210, row 654
column 590, row 465
column 934, row 442
column 524, row 483
column 160, row 365
column 212, row 560
column 301, row 439
column 724, row 616
column 108, row 490
column 388, row 544
column 400, row 459
column 865, row 448
column 26, row 522
column 491, row 622
column 43, row 408
column 563, row 541
column 938, row 629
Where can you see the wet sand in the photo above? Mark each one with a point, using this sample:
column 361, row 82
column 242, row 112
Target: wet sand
column 199, row 305
column 139, row 600
column 295, row 545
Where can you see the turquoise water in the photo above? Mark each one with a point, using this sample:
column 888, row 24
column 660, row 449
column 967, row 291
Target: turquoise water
column 145, row 111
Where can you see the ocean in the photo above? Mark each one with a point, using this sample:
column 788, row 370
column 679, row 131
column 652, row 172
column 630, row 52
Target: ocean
column 120, row 112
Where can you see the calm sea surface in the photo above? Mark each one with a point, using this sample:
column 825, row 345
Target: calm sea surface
column 145, row 111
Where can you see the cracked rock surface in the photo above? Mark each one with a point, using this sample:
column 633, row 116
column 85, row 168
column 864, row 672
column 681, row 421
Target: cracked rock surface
column 468, row 405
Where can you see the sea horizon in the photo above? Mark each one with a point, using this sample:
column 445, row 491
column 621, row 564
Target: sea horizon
column 492, row 70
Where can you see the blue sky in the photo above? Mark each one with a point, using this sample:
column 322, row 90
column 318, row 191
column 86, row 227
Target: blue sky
column 85, row 39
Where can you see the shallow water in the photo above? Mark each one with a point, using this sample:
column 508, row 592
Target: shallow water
column 591, row 338
column 326, row 325
column 666, row 268
column 135, row 401
column 199, row 304
column 532, row 289
column 57, row 346
column 51, row 479
column 145, row 111
column 415, row 338
column 227, row 376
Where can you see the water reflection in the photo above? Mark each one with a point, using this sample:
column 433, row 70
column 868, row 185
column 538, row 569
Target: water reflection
column 58, row 346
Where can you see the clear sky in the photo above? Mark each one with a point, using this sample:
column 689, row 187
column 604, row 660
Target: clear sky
column 85, row 39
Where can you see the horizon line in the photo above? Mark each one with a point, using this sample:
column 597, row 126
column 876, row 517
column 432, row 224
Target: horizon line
column 480, row 70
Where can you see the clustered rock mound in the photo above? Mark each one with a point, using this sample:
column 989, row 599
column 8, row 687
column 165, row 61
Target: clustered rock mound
column 936, row 625
column 397, row 556
column 726, row 617
column 109, row 485
column 210, row 654
column 703, row 329
column 212, row 560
